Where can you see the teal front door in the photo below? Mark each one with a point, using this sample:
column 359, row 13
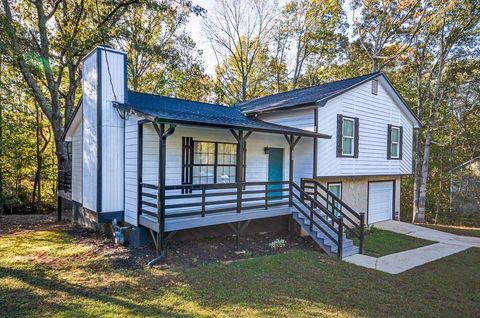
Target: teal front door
column 275, row 171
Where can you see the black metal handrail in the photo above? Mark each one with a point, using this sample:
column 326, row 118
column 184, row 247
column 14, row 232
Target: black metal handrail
column 355, row 225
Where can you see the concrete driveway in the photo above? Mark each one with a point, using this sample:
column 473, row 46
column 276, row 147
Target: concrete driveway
column 448, row 244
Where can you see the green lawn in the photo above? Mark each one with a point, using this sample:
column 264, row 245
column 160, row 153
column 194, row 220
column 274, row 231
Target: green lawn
column 380, row 243
column 48, row 274
column 458, row 230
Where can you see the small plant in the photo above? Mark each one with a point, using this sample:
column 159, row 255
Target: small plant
column 195, row 260
column 371, row 230
column 248, row 254
column 277, row 244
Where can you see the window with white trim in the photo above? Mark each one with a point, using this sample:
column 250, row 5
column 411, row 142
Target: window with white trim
column 395, row 142
column 336, row 189
column 348, row 136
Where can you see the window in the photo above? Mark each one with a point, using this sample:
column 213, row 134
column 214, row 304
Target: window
column 394, row 150
column 213, row 162
column 375, row 86
column 336, row 189
column 348, row 136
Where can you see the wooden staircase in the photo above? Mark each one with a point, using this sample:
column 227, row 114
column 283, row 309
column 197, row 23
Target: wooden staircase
column 327, row 219
column 328, row 245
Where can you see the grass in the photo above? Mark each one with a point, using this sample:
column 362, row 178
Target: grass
column 380, row 242
column 458, row 230
column 48, row 274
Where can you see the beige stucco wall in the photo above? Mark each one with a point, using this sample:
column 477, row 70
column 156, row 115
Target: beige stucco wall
column 355, row 191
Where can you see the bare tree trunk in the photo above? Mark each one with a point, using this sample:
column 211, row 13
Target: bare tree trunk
column 439, row 197
column 37, row 194
column 422, row 197
column 417, row 174
column 1, row 143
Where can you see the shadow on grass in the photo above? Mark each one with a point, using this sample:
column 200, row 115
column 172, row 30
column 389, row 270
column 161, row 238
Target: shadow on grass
column 72, row 298
column 297, row 283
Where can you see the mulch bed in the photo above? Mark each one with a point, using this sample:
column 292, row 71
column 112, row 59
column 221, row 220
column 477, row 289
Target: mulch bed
column 179, row 253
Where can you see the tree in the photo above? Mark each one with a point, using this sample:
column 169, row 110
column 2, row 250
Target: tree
column 240, row 33
column 46, row 40
column 438, row 44
column 384, row 23
column 316, row 32
column 160, row 52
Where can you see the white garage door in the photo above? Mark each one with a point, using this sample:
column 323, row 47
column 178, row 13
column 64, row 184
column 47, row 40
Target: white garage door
column 380, row 201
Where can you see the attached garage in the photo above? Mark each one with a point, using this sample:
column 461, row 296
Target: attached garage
column 381, row 198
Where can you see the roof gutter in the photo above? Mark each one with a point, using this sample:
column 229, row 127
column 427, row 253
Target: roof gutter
column 282, row 129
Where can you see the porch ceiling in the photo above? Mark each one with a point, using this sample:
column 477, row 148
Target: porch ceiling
column 179, row 111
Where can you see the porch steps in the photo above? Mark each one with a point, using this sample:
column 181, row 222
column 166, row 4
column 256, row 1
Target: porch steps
column 322, row 240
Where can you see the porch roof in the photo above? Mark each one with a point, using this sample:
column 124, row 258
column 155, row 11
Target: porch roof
column 180, row 111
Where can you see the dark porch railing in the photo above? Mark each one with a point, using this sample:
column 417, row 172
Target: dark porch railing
column 65, row 181
column 206, row 199
column 334, row 208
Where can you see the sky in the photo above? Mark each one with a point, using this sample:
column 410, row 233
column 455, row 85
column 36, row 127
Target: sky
column 194, row 27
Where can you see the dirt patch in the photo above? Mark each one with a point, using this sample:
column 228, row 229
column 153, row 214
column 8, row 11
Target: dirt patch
column 18, row 223
column 222, row 249
column 179, row 253
column 189, row 253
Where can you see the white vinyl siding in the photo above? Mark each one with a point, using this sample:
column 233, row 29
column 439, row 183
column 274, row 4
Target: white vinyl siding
column 302, row 118
column 374, row 113
column 89, row 107
column 299, row 118
column 111, row 127
column 131, row 181
column 256, row 162
column 112, row 132
column 77, row 165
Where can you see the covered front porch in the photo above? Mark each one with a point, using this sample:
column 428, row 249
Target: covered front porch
column 196, row 173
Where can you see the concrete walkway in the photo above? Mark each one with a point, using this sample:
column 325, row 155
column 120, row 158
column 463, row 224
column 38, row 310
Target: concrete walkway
column 448, row 244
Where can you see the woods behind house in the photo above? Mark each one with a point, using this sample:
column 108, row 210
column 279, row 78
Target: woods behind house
column 429, row 50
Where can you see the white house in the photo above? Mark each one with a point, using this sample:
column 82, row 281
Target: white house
column 329, row 157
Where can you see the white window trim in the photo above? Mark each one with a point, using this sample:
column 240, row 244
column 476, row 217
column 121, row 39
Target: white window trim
column 396, row 143
column 349, row 137
column 339, row 184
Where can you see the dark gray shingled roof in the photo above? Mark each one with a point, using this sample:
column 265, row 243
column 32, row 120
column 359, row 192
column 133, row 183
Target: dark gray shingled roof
column 303, row 96
column 181, row 111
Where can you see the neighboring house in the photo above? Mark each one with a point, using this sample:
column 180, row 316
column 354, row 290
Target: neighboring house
column 465, row 191
column 329, row 157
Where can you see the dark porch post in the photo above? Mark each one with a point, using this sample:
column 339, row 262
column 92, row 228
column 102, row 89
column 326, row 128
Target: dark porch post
column 290, row 172
column 315, row 143
column 162, row 158
column 239, row 168
column 60, row 207
column 292, row 142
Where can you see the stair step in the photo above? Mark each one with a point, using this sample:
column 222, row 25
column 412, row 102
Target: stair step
column 328, row 241
column 322, row 240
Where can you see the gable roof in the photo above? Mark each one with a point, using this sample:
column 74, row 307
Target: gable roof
column 319, row 95
column 181, row 111
column 302, row 96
